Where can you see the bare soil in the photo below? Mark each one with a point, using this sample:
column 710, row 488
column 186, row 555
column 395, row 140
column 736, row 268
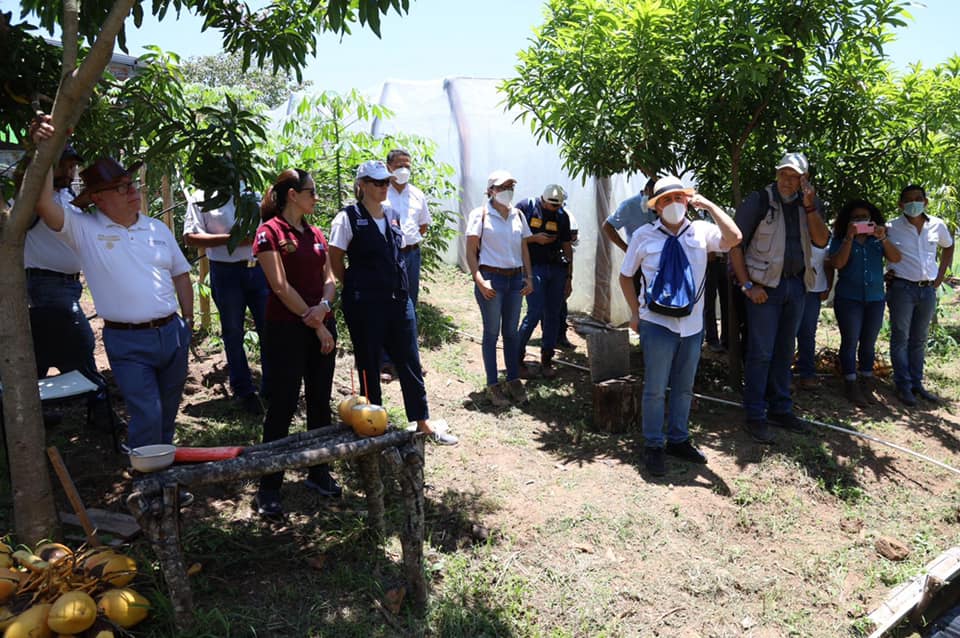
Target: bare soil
column 539, row 526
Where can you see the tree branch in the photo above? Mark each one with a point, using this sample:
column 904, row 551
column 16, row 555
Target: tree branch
column 71, row 27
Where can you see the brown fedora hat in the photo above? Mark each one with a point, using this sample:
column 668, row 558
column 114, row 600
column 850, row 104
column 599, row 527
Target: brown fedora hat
column 101, row 175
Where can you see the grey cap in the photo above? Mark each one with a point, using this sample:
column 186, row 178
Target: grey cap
column 554, row 194
column 795, row 161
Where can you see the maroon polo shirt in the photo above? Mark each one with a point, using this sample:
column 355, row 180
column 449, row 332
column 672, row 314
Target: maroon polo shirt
column 303, row 255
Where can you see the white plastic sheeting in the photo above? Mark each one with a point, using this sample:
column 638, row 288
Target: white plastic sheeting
column 476, row 134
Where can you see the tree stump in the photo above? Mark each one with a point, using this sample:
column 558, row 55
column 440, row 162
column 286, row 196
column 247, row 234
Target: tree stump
column 617, row 404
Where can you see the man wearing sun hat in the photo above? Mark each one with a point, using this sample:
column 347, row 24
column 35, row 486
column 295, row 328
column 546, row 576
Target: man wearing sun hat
column 551, row 257
column 774, row 269
column 138, row 277
column 671, row 336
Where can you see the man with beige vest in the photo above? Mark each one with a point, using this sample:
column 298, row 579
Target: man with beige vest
column 774, row 269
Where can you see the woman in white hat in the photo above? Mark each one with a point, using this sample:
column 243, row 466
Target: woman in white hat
column 365, row 243
column 671, row 333
column 500, row 266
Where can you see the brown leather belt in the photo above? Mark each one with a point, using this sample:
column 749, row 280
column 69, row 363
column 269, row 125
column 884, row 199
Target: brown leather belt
column 507, row 272
column 407, row 249
column 53, row 273
column 156, row 323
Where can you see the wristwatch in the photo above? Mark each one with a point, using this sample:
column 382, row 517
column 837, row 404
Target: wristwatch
column 326, row 304
column 747, row 286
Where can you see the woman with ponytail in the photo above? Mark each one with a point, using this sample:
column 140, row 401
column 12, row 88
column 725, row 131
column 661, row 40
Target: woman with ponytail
column 300, row 334
column 365, row 243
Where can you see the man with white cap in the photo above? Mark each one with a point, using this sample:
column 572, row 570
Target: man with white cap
column 551, row 257
column 671, row 255
column 774, row 268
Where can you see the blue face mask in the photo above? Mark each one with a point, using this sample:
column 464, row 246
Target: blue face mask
column 914, row 209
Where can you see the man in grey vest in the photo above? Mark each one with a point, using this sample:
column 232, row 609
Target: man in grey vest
column 774, row 269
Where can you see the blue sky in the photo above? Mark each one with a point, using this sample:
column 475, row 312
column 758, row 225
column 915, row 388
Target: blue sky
column 477, row 38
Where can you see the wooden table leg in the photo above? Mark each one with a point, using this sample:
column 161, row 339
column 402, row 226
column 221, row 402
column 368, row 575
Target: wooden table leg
column 410, row 477
column 162, row 527
column 369, row 466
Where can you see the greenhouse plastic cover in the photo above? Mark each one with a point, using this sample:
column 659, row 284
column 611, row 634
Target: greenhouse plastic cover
column 476, row 134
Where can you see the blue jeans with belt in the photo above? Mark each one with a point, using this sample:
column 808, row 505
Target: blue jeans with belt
column 859, row 323
column 911, row 310
column 501, row 314
column 235, row 288
column 379, row 323
column 150, row 367
column 63, row 293
column 544, row 306
column 771, row 340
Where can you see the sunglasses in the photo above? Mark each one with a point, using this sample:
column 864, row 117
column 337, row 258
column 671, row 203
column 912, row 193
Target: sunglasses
column 312, row 191
column 377, row 182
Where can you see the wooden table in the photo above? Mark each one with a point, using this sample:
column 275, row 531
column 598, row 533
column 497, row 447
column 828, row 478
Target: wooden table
column 155, row 497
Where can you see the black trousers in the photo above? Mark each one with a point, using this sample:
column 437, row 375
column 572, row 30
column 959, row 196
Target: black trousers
column 716, row 283
column 291, row 350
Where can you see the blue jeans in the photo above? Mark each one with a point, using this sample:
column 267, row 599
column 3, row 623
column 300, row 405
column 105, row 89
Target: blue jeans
column 413, row 259
column 771, row 338
column 502, row 313
column 859, row 323
column 911, row 311
column 150, row 367
column 51, row 291
column 234, row 288
column 807, row 337
column 544, row 304
column 667, row 358
column 380, row 325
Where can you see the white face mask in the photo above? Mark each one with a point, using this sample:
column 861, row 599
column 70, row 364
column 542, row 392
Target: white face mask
column 504, row 198
column 401, row 175
column 674, row 213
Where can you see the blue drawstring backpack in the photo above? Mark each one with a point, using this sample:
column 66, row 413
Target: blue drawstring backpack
column 674, row 291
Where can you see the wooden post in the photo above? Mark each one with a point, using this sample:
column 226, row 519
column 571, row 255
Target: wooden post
column 617, row 404
column 144, row 200
column 167, row 197
column 369, row 467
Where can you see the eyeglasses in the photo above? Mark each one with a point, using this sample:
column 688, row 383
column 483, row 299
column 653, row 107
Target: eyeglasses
column 312, row 191
column 377, row 182
column 123, row 188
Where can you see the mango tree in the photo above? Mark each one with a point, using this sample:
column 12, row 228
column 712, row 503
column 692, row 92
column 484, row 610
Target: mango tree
column 285, row 35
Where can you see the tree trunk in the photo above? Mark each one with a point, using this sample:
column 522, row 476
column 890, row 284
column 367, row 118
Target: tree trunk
column 735, row 347
column 601, row 273
column 617, row 405
column 35, row 514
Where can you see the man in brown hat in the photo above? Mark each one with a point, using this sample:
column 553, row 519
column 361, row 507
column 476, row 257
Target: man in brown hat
column 138, row 276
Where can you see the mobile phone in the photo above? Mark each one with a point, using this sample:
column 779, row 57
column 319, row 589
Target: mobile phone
column 864, row 228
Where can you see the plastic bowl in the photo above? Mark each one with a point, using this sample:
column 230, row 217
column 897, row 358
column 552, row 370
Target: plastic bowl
column 150, row 458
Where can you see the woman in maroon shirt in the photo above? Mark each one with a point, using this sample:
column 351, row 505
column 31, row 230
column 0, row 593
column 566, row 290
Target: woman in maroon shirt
column 300, row 332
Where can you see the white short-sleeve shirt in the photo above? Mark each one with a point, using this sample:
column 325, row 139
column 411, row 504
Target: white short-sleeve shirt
column 918, row 250
column 341, row 234
column 129, row 270
column 643, row 253
column 411, row 205
column 43, row 249
column 501, row 240
column 218, row 221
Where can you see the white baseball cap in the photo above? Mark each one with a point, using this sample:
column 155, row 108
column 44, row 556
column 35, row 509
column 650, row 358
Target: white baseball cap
column 499, row 178
column 373, row 169
column 796, row 162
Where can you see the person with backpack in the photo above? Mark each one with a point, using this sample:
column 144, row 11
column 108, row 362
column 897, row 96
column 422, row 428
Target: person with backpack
column 667, row 312
column 781, row 224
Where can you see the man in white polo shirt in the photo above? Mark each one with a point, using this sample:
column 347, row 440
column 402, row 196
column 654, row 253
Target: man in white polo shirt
column 912, row 286
column 137, row 276
column 411, row 204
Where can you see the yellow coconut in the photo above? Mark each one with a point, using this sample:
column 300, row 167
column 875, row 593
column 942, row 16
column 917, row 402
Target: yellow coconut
column 30, row 560
column 9, row 581
column 369, row 420
column 346, row 406
column 53, row 553
column 5, row 551
column 124, row 606
column 102, row 628
column 30, row 624
column 72, row 613
column 118, row 570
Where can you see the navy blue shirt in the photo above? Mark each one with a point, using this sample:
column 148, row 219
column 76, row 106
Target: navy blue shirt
column 551, row 222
